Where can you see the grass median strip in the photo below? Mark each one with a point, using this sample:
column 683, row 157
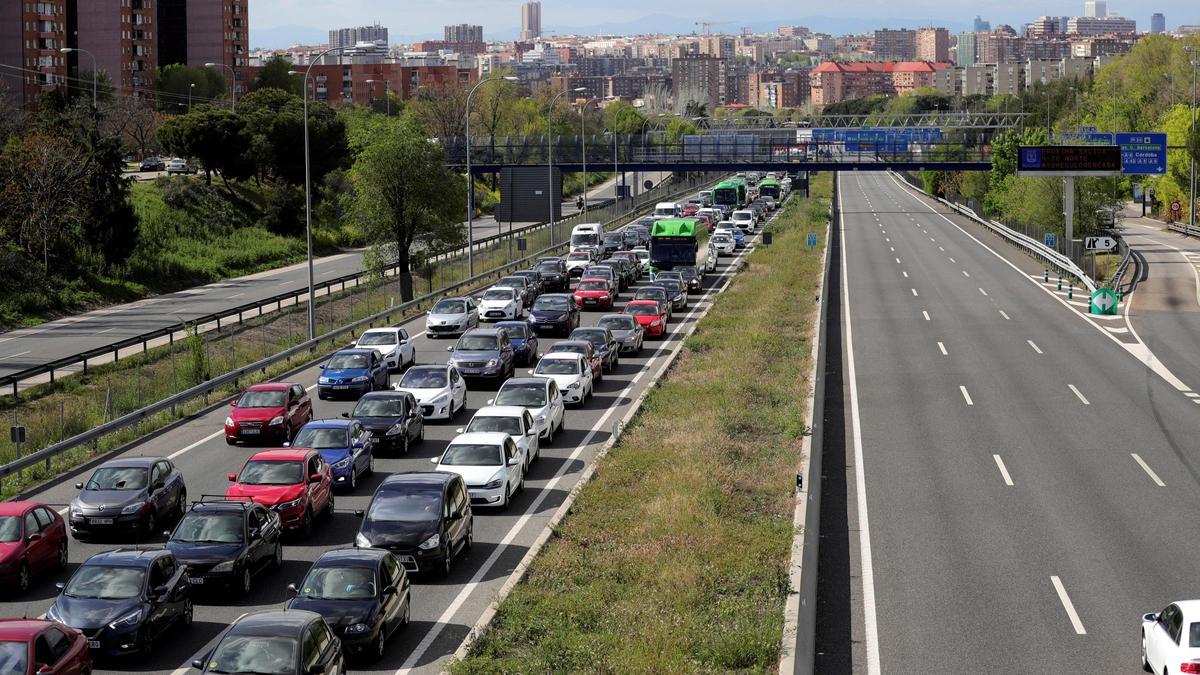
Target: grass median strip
column 674, row 558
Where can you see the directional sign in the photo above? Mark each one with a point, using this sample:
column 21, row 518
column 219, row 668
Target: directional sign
column 1143, row 153
column 1069, row 160
column 1099, row 243
column 812, row 240
column 1050, row 240
column 1104, row 301
column 1088, row 137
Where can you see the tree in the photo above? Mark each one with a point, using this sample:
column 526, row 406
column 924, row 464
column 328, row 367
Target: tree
column 274, row 75
column 275, row 121
column 134, row 121
column 405, row 197
column 218, row 138
column 621, row 117
column 442, row 110
column 173, row 84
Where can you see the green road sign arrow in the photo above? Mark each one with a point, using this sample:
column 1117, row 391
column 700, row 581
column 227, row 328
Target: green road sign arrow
column 1104, row 301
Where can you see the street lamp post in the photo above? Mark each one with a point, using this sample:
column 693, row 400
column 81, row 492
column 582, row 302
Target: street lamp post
column 471, row 178
column 583, row 148
column 190, row 88
column 95, row 67
column 1192, row 204
column 550, row 157
column 386, row 97
column 232, row 80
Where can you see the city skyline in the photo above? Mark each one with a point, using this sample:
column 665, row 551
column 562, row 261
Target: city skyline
column 273, row 22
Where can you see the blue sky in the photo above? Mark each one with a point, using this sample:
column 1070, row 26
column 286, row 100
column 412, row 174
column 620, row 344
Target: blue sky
column 273, row 21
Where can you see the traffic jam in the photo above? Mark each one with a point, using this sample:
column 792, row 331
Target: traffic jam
column 429, row 431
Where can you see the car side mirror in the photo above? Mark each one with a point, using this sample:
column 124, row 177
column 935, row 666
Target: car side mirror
column 450, row 348
column 314, row 478
column 1150, row 617
column 491, row 401
column 458, row 430
column 390, row 590
column 530, row 371
column 255, row 534
column 456, row 515
column 233, row 403
column 43, row 669
column 158, row 486
column 513, row 461
column 287, row 444
column 434, row 460
column 321, row 366
column 346, row 415
column 316, row 669
column 166, row 534
column 160, row 593
column 79, row 486
column 198, row 664
column 60, row 586
column 292, row 590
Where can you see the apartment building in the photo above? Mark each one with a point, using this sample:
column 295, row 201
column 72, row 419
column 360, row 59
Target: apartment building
column 773, row 89
column 895, row 45
column 1101, row 25
column 933, row 44
column 346, row 82
column 834, row 81
column 699, row 78
column 31, row 33
column 348, row 37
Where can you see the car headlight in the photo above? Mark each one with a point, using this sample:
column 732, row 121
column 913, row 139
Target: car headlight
column 430, row 543
column 573, row 385
column 341, row 464
column 360, row 378
column 229, row 422
column 53, row 614
column 289, row 505
column 441, row 399
column 541, row 419
column 324, row 380
column 361, row 541
column 492, row 363
column 130, row 619
column 276, row 421
column 75, row 510
column 133, row 508
column 656, row 322
column 396, row 429
column 495, row 482
column 357, row 628
column 226, row 566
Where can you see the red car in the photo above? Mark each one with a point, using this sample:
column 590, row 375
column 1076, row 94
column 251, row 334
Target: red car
column 269, row 413
column 650, row 315
column 33, row 539
column 594, row 293
column 704, row 220
column 296, row 483
column 690, row 209
column 40, row 647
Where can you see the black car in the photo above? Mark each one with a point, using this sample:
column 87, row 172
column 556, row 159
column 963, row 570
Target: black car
column 631, row 238
column 612, row 242
column 276, row 642
column 132, row 494
column 392, row 417
column 153, row 164
column 691, row 276
column 123, row 601
column 535, row 280
column 363, row 594
column 223, row 543
column 604, row 342
column 423, row 518
column 675, row 290
column 554, row 274
column 626, row 269
column 554, row 312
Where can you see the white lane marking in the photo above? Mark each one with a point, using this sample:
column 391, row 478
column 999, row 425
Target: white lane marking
column 983, row 291
column 1114, row 329
column 236, row 295
column 941, row 249
column 904, row 273
column 897, row 261
column 1035, row 347
column 106, row 330
column 893, row 248
column 1003, row 470
column 966, row 273
column 952, row 260
column 943, row 348
column 198, row 443
column 1191, row 394
column 7, row 339
column 1006, row 317
column 966, row 395
column 1066, row 603
column 914, row 292
column 933, row 240
column 1081, row 398
column 926, row 315
column 13, row 356
column 870, row 625
column 1146, row 467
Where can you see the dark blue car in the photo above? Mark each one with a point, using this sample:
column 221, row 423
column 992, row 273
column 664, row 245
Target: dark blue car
column 124, row 601
column 352, row 372
column 524, row 341
column 223, row 543
column 554, row 313
column 484, row 353
column 346, row 445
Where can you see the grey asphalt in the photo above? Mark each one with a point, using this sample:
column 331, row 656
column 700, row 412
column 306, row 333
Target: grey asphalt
column 962, row 567
column 30, row 347
column 443, row 609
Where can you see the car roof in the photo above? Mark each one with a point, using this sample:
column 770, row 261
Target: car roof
column 329, row 423
column 384, row 395
column 483, row 437
column 129, row 557
column 416, row 478
column 561, row 296
column 602, row 280
column 143, row 462
column 270, row 622
column 428, row 366
column 281, row 454
column 486, row 332
column 1191, row 609
column 589, row 329
column 16, row 508
column 514, row 381
column 642, row 302
column 556, row 356
column 500, row 410
column 351, row 557
column 568, row 343
column 226, row 505
column 269, row 386
column 385, row 329
column 511, row 324
column 622, row 317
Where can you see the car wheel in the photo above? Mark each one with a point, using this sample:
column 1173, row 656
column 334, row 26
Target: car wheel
column 329, row 505
column 277, row 557
column 550, row 434
column 181, row 505
column 306, row 528
column 147, row 643
column 353, row 478
column 1145, row 662
column 521, row 485
column 470, row 541
column 287, row 434
column 404, row 450
column 244, row 583
column 380, row 646
column 24, row 578
column 230, row 441
column 507, row 494
column 404, row 621
column 151, row 524
column 63, row 559
column 448, row 562
column 188, row 612
column 371, row 464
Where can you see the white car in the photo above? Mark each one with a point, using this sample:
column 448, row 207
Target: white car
column 500, row 304
column 1171, row 638
column 771, row 203
column 452, row 316
column 578, row 260
column 570, row 372
column 440, row 390
column 513, row 420
column 489, row 462
column 643, row 256
column 541, row 397
column 722, row 243
column 713, row 214
column 744, row 219
column 393, row 344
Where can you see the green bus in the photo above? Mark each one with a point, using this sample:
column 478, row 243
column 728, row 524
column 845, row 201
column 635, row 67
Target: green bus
column 769, row 187
column 730, row 193
column 673, row 242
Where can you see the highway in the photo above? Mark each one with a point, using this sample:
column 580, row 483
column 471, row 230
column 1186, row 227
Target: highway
column 1021, row 480
column 29, row 347
column 443, row 609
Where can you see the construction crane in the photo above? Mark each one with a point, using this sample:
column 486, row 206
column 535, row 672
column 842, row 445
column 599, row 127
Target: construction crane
column 708, row 25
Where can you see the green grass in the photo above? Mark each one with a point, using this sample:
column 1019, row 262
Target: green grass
column 674, row 559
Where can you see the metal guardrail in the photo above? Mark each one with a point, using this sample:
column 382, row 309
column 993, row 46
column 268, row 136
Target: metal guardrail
column 1184, row 228
column 1126, row 256
column 206, row 388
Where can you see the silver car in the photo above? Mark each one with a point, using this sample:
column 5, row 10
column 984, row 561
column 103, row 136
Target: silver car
column 452, row 317
column 625, row 330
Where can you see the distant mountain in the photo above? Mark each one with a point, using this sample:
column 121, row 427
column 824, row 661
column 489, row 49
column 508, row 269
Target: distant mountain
column 286, row 36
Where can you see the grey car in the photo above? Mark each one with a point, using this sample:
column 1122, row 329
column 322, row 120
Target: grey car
column 128, row 495
column 452, row 316
column 625, row 330
column 604, row 342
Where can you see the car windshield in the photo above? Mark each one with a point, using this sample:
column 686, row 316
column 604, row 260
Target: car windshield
column 1194, row 634
column 508, row 425
column 529, row 395
column 371, row 339
column 642, row 255
column 262, row 399
column 557, row 367
column 515, row 330
column 254, row 654
column 271, row 472
column 378, row 407
column 571, row 349
column 320, row 438
column 593, row 336
column 118, row 478
column 552, row 303
column 405, row 505
column 424, row 378
column 617, row 323
column 10, row 529
column 613, row 237
column 720, row 239
column 105, row 582
column 339, row 583
column 640, row 310
column 579, row 255
column 593, row 286
column 478, row 343
column 472, row 454
column 603, row 272
column 347, row 362
column 14, row 657
column 650, row 294
column 209, row 528
column 498, row 294
column 548, row 268
column 450, row 307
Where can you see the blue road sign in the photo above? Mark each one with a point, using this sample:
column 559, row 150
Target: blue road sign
column 1050, row 240
column 1086, row 137
column 812, row 240
column 1143, row 153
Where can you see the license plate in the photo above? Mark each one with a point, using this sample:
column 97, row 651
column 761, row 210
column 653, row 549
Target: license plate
column 589, row 301
column 102, row 521
column 470, row 371
column 196, row 581
column 251, row 432
column 93, row 644
column 342, row 386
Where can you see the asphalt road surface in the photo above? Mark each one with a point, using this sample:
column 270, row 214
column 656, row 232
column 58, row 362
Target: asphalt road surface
column 1021, row 481
column 443, row 609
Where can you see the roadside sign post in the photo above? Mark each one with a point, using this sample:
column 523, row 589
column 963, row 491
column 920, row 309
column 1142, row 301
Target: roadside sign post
column 1103, row 301
column 1050, row 240
column 812, row 240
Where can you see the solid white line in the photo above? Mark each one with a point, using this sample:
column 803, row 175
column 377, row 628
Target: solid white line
column 1006, row 317
column 926, row 315
column 966, row 273
column 1153, row 476
column 914, row 292
column 983, row 291
column 198, row 443
column 1191, row 394
column 1003, row 470
column 966, row 395
column 1035, row 347
column 13, row 356
column 870, row 625
column 106, row 330
column 238, row 295
column 943, row 348
column 7, row 339
column 1066, row 603
column 1081, row 398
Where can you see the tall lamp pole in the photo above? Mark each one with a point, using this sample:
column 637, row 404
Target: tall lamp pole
column 550, row 156
column 386, row 86
column 232, row 80
column 471, row 178
column 1192, row 204
column 190, row 88
column 95, row 67
column 583, row 141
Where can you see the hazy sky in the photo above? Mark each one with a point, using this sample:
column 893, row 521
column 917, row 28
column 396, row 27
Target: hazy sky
column 425, row 19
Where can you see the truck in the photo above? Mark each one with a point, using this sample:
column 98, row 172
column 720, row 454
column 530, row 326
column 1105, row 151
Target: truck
column 672, row 243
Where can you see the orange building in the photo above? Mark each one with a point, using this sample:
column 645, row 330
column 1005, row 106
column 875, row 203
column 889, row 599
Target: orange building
column 835, row 81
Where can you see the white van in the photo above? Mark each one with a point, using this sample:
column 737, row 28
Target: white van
column 586, row 234
column 664, row 210
column 744, row 220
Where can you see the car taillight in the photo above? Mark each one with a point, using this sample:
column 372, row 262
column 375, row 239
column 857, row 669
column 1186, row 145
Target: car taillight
column 1190, row 667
